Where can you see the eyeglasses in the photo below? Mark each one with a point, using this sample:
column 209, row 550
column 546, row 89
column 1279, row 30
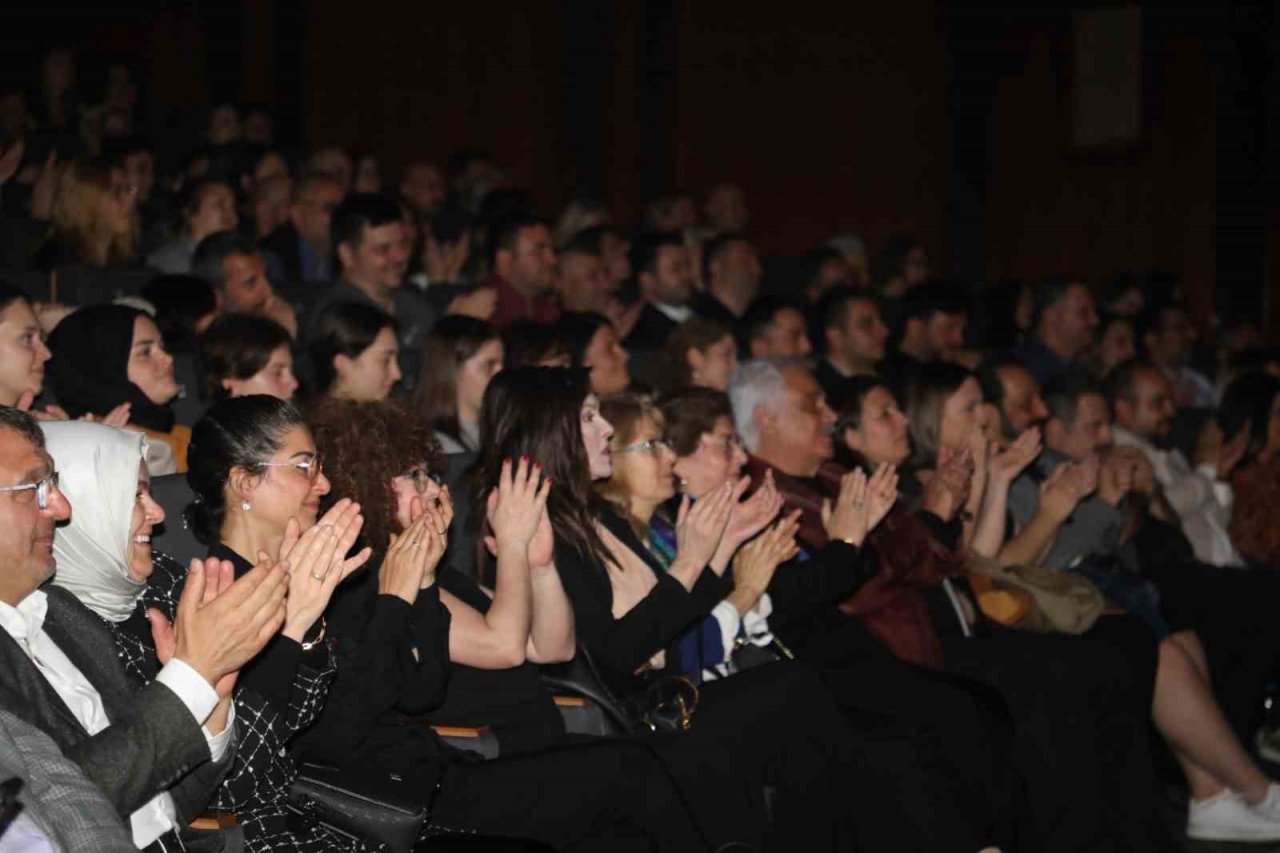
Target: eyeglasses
column 654, row 445
column 311, row 467
column 42, row 489
column 423, row 479
column 731, row 443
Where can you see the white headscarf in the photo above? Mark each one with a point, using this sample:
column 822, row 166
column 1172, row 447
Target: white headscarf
column 98, row 473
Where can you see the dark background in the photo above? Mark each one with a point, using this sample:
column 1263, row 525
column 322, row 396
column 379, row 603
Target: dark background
column 950, row 120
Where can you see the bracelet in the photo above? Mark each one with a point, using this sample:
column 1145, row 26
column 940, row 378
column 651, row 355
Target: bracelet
column 308, row 646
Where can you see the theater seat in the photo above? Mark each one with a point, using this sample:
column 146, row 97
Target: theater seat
column 478, row 740
column 172, row 537
column 587, row 706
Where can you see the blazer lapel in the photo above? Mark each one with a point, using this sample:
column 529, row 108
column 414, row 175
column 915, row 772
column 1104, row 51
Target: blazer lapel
column 87, row 642
column 33, row 698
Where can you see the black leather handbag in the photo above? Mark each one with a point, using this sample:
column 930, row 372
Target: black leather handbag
column 665, row 704
column 376, row 808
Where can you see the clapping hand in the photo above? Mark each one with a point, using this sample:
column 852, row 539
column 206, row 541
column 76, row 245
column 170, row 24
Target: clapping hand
column 948, row 488
column 318, row 563
column 1006, row 465
column 700, row 528
column 756, row 561
column 409, row 565
column 220, row 629
column 749, row 517
column 516, row 505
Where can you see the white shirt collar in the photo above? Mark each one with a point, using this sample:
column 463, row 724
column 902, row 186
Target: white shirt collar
column 26, row 621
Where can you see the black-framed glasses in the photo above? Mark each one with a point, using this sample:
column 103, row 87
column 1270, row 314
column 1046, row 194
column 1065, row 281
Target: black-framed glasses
column 42, row 488
column 311, row 467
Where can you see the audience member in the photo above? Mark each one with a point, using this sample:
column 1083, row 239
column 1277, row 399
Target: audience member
column 156, row 753
column 700, row 352
column 670, row 214
column 1251, row 405
column 851, row 334
column 523, row 275
column 268, row 206
column 93, row 220
column 236, row 269
column 530, row 344
column 726, row 210
column 23, row 353
column 1167, row 335
column 934, row 317
column 207, row 207
column 336, row 163
column 902, row 265
column 581, row 280
column 593, row 344
column 459, row 358
column 373, row 259
column 1062, row 327
column 774, row 327
column 854, row 251
column 243, row 354
column 1115, row 344
column 732, row 277
column 352, row 352
column 422, row 186
column 825, row 267
column 301, row 249
column 1142, row 399
column 108, row 356
column 664, row 274
column 366, row 174
column 579, row 215
column 184, row 307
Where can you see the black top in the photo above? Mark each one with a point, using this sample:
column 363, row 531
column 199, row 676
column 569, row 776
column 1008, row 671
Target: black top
column 621, row 646
column 512, row 702
column 707, row 306
column 272, row 672
column 392, row 670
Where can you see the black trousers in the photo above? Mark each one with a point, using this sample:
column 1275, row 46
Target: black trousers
column 1082, row 706
column 595, row 796
column 841, row 776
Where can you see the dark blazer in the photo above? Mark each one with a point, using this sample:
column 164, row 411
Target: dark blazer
column 650, row 331
column 152, row 741
column 283, row 244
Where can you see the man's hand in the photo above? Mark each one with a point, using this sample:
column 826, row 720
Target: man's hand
column 217, row 638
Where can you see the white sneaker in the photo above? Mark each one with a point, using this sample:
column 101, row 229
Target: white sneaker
column 1227, row 817
column 1269, row 807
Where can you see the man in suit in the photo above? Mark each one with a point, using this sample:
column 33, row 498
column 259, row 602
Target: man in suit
column 300, row 249
column 156, row 753
column 665, row 275
column 59, row 805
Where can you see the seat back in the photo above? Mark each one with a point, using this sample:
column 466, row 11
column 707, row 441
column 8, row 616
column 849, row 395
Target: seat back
column 172, row 537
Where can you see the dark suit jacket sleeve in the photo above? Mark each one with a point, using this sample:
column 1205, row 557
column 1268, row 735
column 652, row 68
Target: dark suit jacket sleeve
column 144, row 752
column 831, row 574
column 191, row 795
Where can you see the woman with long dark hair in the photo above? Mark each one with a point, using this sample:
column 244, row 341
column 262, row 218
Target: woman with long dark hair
column 629, row 612
column 459, row 358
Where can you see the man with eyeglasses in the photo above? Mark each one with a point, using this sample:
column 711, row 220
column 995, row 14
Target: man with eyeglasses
column 59, row 671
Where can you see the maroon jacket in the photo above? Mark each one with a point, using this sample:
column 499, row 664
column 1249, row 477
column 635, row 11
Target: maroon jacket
column 909, row 557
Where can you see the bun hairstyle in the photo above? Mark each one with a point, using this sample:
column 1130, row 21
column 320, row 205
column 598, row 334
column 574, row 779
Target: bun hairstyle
column 239, row 432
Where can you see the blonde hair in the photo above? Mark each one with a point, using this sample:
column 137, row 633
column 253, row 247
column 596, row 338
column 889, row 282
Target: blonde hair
column 627, row 412
column 82, row 221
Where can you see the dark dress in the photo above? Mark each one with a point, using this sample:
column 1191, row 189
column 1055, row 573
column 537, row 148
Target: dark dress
column 393, row 673
column 843, row 778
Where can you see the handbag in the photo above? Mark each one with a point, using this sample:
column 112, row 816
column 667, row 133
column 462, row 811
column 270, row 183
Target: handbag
column 1061, row 602
column 665, row 704
column 377, row 808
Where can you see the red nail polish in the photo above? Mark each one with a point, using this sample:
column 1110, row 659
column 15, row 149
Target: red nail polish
column 524, row 457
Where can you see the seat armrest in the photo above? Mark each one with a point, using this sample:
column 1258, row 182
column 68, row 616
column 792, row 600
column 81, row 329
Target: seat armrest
column 215, row 820
column 477, row 739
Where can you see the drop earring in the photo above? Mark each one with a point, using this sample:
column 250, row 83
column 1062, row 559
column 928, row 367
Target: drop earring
column 244, row 505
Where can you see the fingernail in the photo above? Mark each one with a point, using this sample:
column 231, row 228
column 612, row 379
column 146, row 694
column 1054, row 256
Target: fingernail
column 524, row 457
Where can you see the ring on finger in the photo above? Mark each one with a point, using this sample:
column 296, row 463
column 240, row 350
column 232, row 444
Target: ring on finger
column 317, row 577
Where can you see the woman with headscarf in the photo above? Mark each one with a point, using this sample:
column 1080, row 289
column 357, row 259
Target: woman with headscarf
column 105, row 559
column 107, row 355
